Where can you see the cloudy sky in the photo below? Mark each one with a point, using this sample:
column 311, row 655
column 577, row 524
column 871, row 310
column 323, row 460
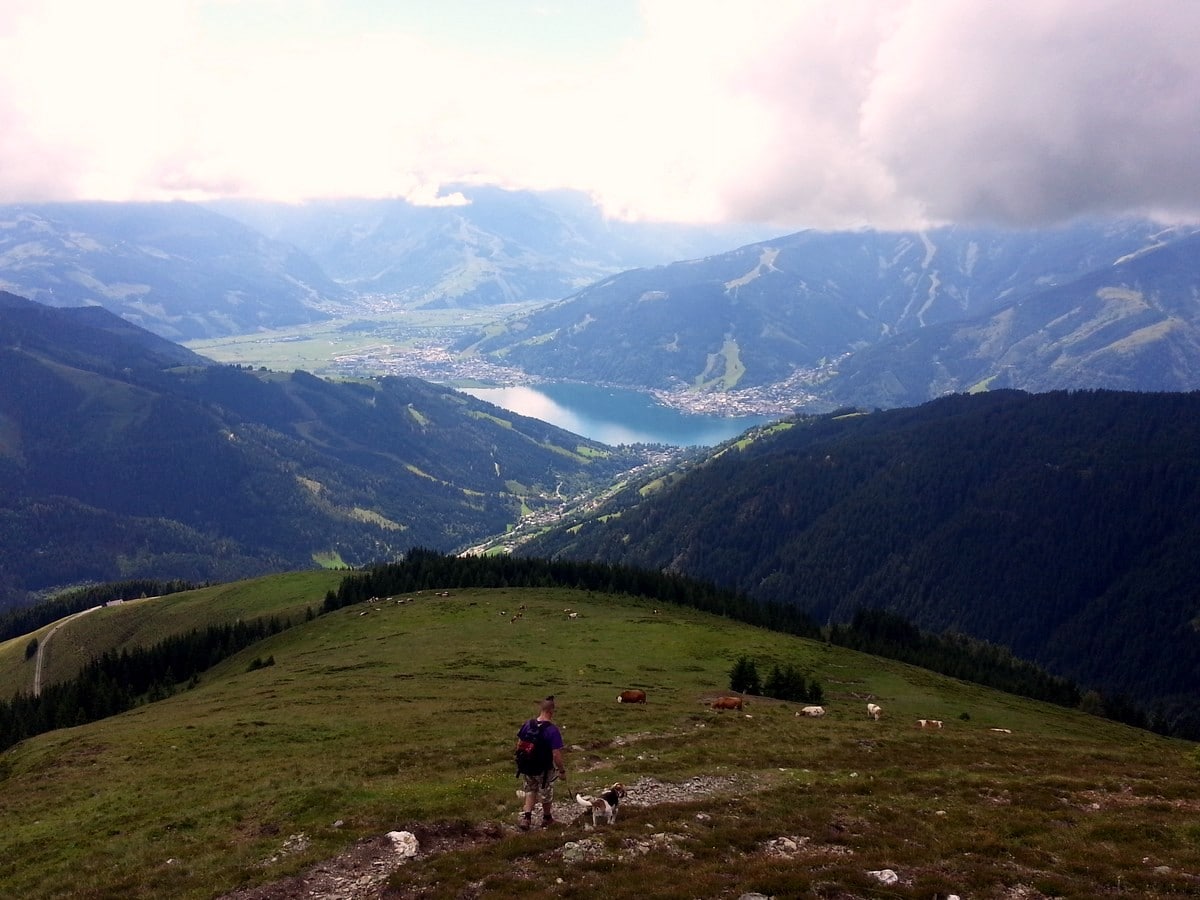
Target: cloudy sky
column 804, row 113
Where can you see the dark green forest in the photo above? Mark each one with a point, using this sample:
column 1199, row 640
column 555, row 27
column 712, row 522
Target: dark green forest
column 1064, row 526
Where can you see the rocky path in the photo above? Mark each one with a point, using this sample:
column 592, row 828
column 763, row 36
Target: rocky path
column 41, row 650
column 362, row 871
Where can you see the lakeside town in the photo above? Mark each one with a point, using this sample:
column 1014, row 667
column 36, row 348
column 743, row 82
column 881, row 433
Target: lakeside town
column 431, row 361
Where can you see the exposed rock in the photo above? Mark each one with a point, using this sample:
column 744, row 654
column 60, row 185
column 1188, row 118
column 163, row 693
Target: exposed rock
column 406, row 843
column 651, row 792
column 660, row 842
column 584, row 850
column 885, row 876
column 785, row 847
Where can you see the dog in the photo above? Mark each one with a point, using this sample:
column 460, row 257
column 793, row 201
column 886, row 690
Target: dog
column 604, row 807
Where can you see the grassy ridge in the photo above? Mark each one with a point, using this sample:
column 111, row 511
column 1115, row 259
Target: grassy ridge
column 144, row 623
column 388, row 715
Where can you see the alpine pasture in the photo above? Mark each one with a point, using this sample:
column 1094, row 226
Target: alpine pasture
column 400, row 714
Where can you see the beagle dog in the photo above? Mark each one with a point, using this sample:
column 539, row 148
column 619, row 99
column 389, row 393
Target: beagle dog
column 604, row 807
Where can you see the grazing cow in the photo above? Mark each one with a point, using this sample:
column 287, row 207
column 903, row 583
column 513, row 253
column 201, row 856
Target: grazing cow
column 631, row 697
column 874, row 711
column 929, row 723
column 814, row 712
column 727, row 703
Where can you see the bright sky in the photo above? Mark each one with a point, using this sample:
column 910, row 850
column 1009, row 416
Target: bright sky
column 804, row 113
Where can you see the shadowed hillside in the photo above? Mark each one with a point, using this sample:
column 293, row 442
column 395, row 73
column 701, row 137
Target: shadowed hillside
column 125, row 456
column 1064, row 526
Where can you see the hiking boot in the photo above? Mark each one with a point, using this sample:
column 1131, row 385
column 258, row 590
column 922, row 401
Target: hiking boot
column 547, row 821
column 525, row 822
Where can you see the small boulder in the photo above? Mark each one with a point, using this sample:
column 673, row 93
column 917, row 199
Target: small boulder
column 405, row 843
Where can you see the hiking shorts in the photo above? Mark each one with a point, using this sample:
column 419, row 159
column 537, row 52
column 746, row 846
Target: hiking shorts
column 542, row 785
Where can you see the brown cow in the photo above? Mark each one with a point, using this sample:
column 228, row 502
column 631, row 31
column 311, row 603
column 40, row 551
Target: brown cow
column 727, row 703
column 631, row 697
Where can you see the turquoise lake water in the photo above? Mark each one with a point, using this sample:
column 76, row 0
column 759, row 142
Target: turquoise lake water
column 614, row 416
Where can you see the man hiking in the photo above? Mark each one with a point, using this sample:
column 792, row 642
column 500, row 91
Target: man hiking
column 540, row 762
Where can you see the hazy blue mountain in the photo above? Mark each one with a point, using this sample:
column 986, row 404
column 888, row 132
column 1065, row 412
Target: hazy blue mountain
column 123, row 455
column 502, row 246
column 806, row 303
column 177, row 269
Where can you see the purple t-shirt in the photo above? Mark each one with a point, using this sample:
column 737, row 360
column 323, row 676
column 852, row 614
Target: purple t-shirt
column 553, row 736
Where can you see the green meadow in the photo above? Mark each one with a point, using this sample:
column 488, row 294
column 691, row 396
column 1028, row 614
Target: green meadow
column 400, row 715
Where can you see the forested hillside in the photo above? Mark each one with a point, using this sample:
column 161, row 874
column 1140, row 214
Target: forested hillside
column 124, row 456
column 1064, row 525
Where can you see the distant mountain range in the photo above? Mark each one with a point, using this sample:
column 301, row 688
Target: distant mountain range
column 176, row 269
column 885, row 319
column 123, row 455
column 1065, row 526
column 497, row 247
column 811, row 320
column 236, row 267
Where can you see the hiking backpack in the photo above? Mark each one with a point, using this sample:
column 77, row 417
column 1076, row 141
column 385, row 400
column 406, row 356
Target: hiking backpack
column 533, row 754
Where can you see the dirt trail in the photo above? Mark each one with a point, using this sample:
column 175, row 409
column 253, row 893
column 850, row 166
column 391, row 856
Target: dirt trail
column 37, row 669
column 41, row 650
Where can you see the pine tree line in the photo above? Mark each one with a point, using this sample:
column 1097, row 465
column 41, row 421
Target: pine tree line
column 118, row 681
column 883, row 633
column 424, row 569
column 785, row 682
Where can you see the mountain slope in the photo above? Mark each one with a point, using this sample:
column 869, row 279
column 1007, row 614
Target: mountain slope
column 1064, row 526
column 786, row 310
column 355, row 709
column 176, row 269
column 123, row 460
column 1134, row 325
column 87, row 336
column 497, row 246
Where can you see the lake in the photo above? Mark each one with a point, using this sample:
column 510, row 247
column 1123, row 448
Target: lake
column 615, row 416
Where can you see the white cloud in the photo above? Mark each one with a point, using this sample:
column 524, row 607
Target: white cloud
column 1039, row 109
column 826, row 113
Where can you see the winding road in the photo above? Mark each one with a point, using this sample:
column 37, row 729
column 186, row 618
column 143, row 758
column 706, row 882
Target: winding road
column 41, row 650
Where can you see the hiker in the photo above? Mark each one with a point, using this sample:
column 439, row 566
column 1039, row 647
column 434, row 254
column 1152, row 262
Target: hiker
column 540, row 762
